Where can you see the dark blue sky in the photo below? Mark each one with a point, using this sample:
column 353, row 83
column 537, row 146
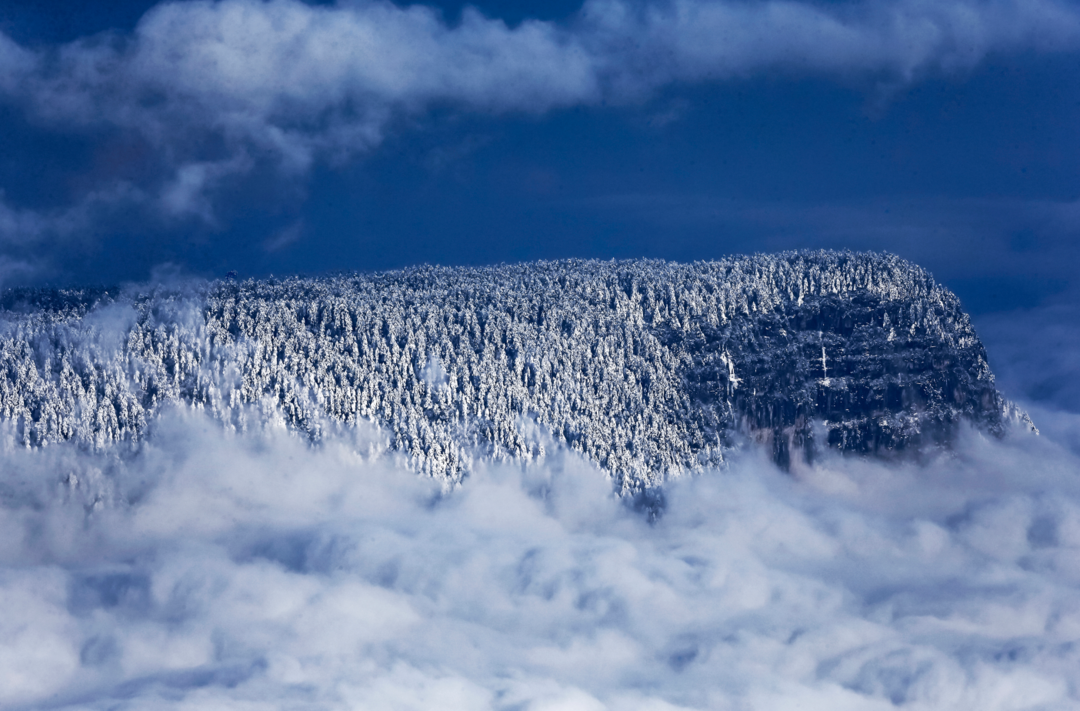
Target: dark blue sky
column 284, row 138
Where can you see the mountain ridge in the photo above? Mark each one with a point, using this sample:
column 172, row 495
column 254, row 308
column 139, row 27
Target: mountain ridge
column 648, row 368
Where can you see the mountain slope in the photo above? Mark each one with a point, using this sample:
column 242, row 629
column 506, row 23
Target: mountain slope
column 648, row 368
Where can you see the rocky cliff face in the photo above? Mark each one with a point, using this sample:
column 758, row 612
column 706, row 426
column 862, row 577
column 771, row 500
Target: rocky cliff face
column 648, row 368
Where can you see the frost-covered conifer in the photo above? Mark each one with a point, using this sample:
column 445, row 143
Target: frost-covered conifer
column 646, row 367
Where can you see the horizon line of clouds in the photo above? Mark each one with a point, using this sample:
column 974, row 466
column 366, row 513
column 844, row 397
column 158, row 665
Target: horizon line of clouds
column 218, row 90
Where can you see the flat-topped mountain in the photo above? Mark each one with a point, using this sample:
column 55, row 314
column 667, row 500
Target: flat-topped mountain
column 646, row 367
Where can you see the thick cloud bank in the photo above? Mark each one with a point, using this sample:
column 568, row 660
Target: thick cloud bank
column 204, row 92
column 259, row 571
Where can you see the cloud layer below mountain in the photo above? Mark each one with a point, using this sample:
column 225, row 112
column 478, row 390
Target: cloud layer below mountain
column 257, row 571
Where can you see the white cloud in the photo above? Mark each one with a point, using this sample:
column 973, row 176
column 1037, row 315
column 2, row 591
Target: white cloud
column 20, row 227
column 256, row 571
column 25, row 232
column 15, row 64
column 187, row 193
column 692, row 39
column 297, row 83
column 285, row 237
column 298, row 80
column 1035, row 353
column 955, row 238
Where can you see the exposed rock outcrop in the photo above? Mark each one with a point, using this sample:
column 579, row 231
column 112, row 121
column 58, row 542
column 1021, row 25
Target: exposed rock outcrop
column 648, row 368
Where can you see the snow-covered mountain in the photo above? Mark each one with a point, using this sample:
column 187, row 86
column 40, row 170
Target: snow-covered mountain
column 648, row 368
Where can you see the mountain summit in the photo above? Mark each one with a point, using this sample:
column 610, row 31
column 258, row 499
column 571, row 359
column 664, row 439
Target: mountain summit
column 648, row 368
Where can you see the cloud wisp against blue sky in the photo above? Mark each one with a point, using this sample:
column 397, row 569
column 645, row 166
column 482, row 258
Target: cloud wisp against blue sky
column 204, row 128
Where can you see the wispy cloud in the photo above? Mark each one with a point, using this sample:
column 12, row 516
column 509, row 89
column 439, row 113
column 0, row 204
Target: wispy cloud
column 25, row 234
column 1035, row 353
column 956, row 238
column 217, row 89
column 284, row 237
column 696, row 40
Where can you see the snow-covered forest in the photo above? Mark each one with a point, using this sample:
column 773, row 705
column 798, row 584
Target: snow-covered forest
column 648, row 368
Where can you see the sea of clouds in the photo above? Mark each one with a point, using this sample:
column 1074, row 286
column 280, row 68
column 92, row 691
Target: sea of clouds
column 212, row 569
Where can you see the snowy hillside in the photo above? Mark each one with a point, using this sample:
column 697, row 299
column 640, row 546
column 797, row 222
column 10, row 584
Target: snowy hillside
column 648, row 368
